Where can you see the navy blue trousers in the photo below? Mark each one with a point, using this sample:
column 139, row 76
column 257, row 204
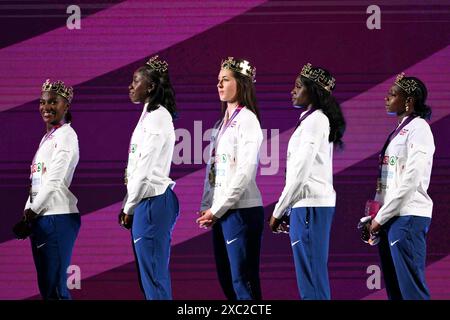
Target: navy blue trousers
column 402, row 250
column 237, row 244
column 153, row 222
column 52, row 241
column 310, row 236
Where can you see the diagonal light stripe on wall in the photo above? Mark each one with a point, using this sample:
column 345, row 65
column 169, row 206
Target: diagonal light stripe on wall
column 107, row 40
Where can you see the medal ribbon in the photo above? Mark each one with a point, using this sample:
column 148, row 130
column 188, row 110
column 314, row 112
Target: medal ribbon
column 306, row 115
column 47, row 135
column 223, row 128
column 390, row 137
column 141, row 119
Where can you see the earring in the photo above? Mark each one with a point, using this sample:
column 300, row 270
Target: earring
column 407, row 108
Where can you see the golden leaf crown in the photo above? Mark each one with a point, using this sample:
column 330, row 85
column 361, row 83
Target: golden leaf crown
column 241, row 66
column 158, row 65
column 319, row 76
column 409, row 85
column 59, row 88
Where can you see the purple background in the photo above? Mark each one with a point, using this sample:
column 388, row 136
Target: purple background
column 278, row 37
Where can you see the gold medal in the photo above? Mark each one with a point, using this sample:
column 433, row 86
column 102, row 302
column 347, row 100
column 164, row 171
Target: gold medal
column 379, row 185
column 31, row 194
column 212, row 175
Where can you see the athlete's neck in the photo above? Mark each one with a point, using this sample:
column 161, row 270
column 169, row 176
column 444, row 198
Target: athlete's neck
column 51, row 126
column 231, row 106
column 401, row 117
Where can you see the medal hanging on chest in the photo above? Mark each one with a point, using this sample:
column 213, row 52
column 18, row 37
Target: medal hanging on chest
column 222, row 129
column 212, row 175
column 379, row 185
column 46, row 137
column 391, row 136
column 31, row 194
column 133, row 146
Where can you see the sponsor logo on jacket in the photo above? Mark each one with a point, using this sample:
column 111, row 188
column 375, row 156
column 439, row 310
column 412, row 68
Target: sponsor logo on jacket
column 37, row 167
column 390, row 160
column 132, row 148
